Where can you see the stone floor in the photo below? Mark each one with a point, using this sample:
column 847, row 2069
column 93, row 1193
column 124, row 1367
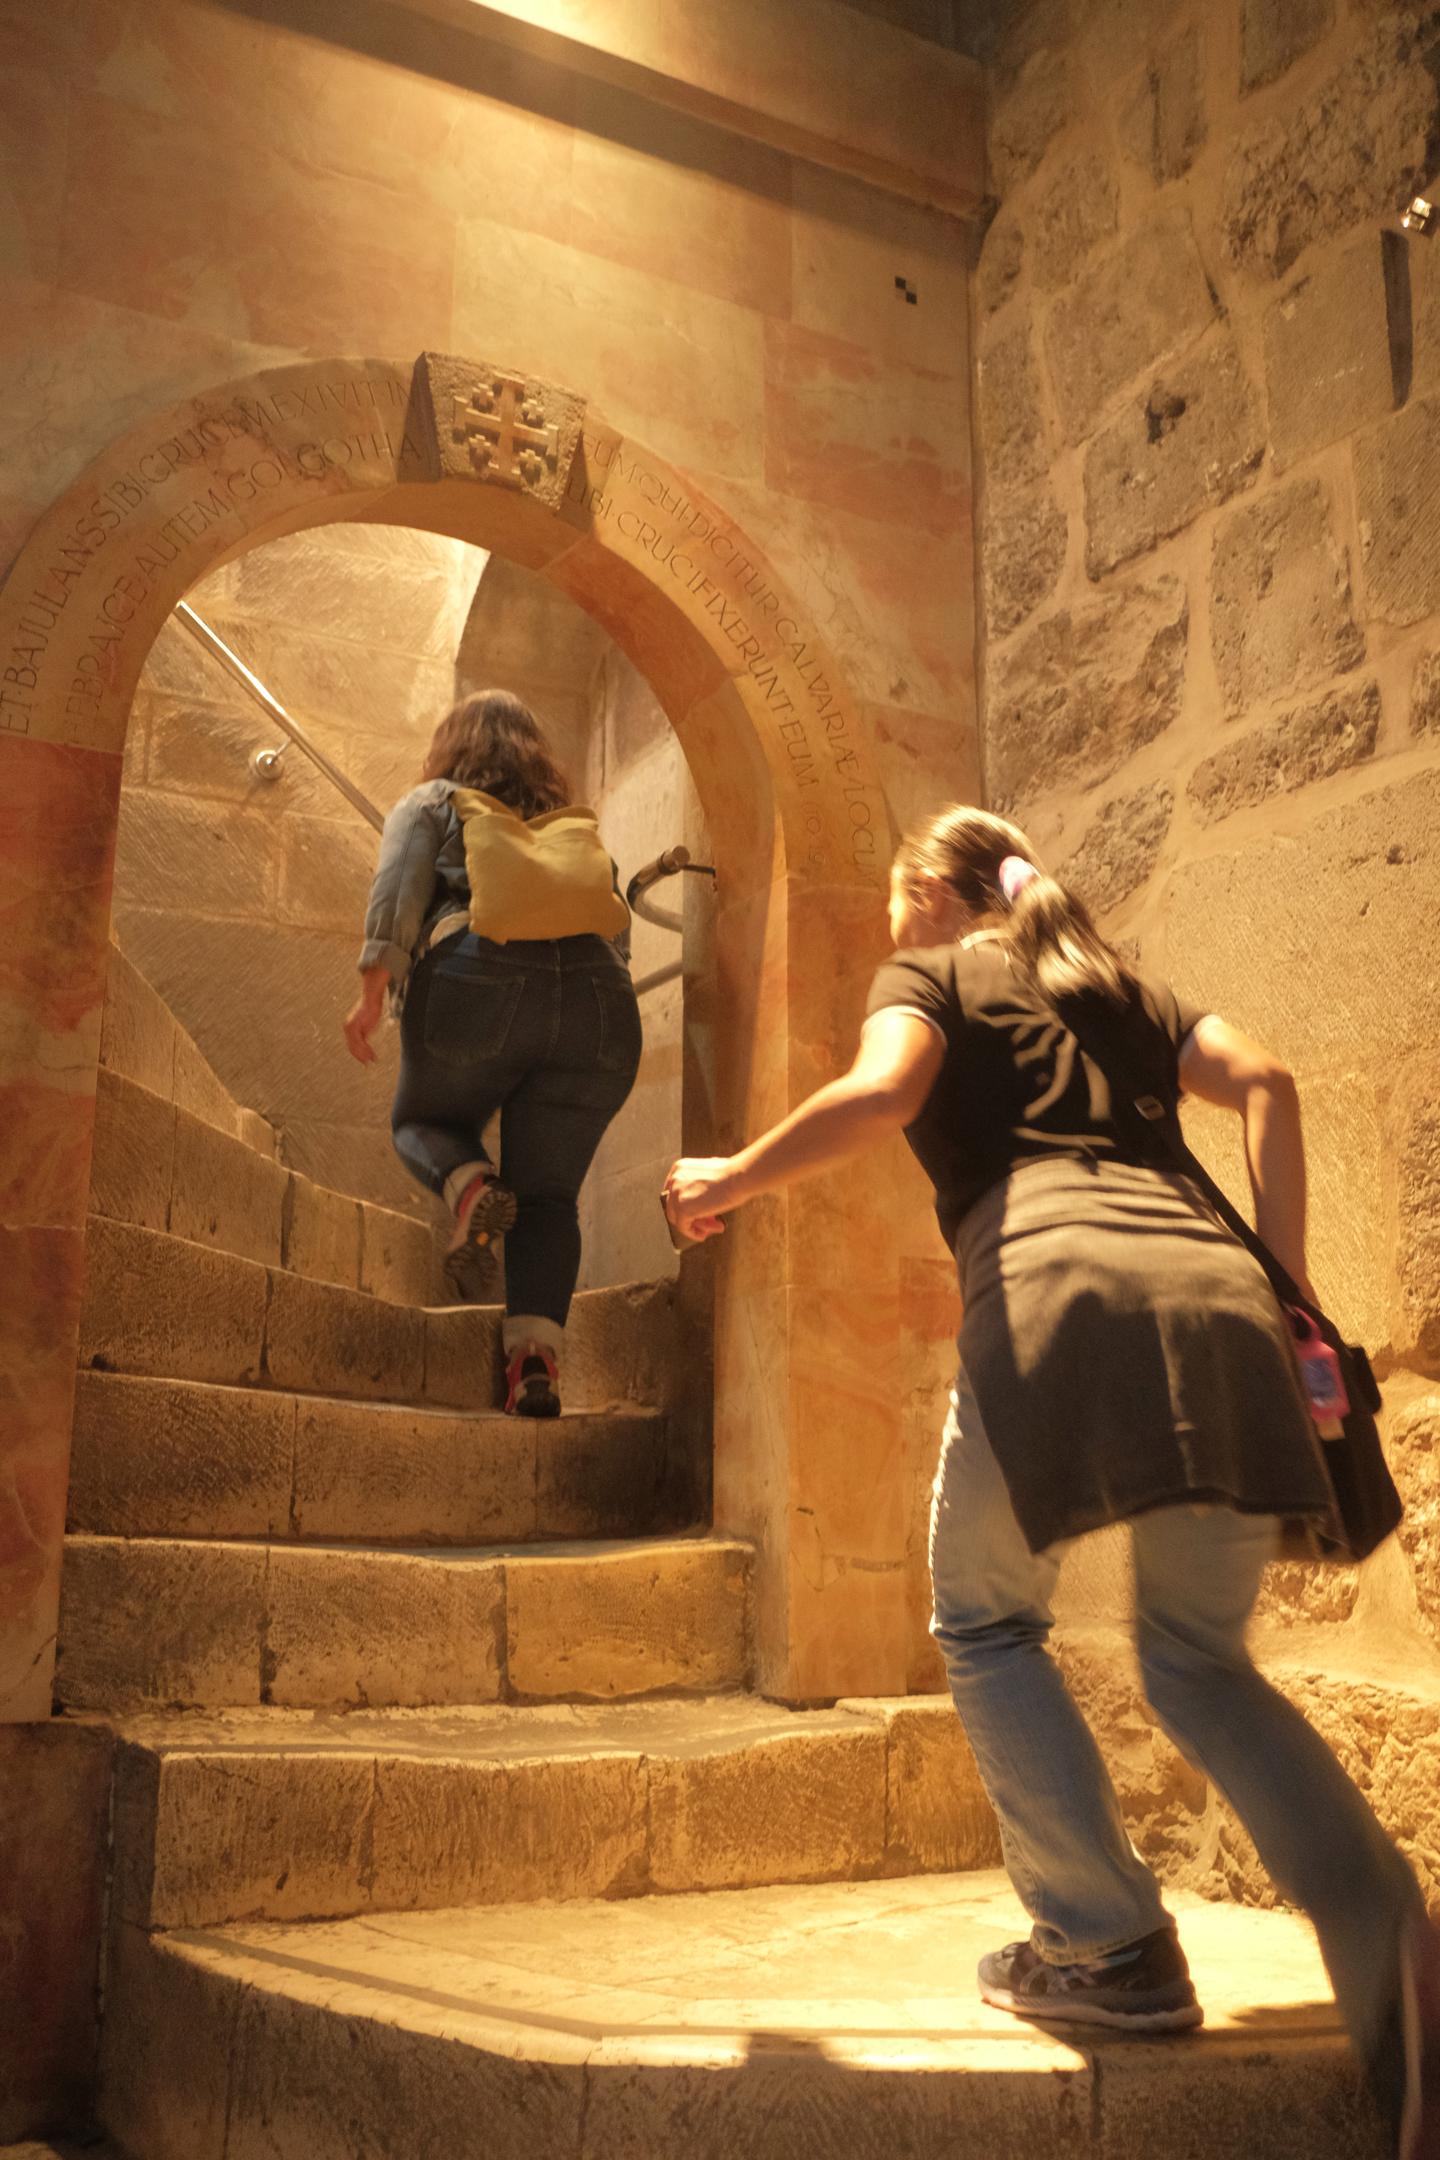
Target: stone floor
column 793, row 2024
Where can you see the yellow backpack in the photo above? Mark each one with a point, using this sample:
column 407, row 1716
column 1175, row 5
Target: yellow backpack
column 542, row 877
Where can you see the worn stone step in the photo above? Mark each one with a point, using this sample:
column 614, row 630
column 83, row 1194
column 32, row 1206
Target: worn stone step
column 1368, row 1687
column 178, row 1622
column 64, row 2149
column 141, row 1040
column 830, row 2022
column 162, row 1305
column 163, row 1167
column 284, row 1815
column 189, row 1459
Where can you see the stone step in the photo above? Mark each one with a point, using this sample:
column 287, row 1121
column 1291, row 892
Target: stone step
column 282, row 1815
column 141, row 1040
column 189, row 1459
column 164, row 1306
column 175, row 1622
column 1370, row 1689
column 830, row 2022
column 47, row 2149
column 165, row 1168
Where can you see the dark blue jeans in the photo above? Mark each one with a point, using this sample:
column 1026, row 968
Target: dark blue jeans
column 547, row 1033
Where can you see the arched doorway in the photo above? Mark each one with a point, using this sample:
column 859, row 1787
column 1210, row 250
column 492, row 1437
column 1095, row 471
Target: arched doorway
column 807, row 1400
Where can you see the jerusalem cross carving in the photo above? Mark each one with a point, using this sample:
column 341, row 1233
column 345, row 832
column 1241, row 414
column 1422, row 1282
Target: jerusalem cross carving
column 509, row 441
column 500, row 426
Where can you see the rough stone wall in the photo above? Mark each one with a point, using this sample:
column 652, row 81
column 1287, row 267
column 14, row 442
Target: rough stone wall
column 242, row 900
column 1208, row 406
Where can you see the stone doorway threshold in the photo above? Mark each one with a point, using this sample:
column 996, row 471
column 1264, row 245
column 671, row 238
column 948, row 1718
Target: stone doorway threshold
column 776, row 2023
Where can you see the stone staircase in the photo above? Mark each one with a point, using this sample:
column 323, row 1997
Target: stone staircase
column 444, row 1820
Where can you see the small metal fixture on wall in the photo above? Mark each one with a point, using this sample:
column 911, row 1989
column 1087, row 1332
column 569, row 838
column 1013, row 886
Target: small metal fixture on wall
column 1420, row 216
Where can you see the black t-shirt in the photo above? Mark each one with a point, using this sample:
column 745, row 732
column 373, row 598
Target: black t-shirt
column 1015, row 1085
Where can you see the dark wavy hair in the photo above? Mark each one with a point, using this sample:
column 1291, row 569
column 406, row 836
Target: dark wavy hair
column 1049, row 928
column 493, row 742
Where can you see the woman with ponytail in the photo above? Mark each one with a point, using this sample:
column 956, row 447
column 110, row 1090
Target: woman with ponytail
column 1122, row 1359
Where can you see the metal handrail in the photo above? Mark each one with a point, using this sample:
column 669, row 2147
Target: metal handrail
column 267, row 764
column 266, row 761
column 671, row 862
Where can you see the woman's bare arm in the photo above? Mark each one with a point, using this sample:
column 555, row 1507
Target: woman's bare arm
column 884, row 1090
column 366, row 1014
column 1222, row 1066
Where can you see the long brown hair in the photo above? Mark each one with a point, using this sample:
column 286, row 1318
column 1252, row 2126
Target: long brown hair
column 1048, row 927
column 493, row 742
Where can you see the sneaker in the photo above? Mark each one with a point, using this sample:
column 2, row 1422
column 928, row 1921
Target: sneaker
column 1419, row 2133
column 1144, row 1987
column 532, row 1380
column 486, row 1211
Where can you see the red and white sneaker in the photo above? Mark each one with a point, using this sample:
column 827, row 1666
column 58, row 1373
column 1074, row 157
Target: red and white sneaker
column 485, row 1211
column 532, row 1380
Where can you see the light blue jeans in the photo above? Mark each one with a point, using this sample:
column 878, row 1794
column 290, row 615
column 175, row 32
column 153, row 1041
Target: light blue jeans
column 1197, row 1574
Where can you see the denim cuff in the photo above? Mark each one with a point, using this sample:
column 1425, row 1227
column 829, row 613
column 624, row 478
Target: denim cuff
column 377, row 952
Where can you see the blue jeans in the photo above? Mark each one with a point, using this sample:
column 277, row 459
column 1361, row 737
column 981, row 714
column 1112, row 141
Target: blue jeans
column 1197, row 1574
column 547, row 1032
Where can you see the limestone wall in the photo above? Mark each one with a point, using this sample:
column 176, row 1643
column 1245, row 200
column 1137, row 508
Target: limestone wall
column 199, row 191
column 1208, row 381
column 638, row 778
column 240, row 899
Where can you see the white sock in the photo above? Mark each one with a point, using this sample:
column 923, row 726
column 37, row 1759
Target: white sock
column 455, row 1186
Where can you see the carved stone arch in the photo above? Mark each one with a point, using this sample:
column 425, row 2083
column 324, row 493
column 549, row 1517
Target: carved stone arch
column 784, row 768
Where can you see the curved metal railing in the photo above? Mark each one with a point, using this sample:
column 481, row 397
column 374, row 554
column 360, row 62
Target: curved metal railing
column 265, row 764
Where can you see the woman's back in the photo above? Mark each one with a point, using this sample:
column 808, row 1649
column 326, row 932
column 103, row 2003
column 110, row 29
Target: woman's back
column 1015, row 1085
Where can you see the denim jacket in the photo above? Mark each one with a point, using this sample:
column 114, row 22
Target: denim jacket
column 419, row 878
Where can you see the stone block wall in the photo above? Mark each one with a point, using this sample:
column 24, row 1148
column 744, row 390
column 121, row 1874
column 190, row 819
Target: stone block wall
column 204, row 191
column 1208, row 411
column 199, row 193
column 241, row 899
column 638, row 779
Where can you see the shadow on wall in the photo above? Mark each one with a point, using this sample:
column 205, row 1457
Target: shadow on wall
column 241, row 899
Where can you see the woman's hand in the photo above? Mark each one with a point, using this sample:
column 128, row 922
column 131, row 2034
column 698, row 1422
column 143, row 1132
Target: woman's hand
column 365, row 1015
column 698, row 1190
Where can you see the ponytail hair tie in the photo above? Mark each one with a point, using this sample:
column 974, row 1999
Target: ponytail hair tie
column 1015, row 875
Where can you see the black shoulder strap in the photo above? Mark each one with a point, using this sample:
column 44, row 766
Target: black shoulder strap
column 1167, row 1145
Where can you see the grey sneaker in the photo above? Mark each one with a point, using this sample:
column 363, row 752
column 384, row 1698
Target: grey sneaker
column 1143, row 1987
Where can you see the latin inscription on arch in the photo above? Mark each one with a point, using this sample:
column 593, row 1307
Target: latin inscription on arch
column 794, row 690
column 156, row 516
column 169, row 510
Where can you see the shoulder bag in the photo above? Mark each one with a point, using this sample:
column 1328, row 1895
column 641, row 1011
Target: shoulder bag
column 542, row 877
column 1367, row 1505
